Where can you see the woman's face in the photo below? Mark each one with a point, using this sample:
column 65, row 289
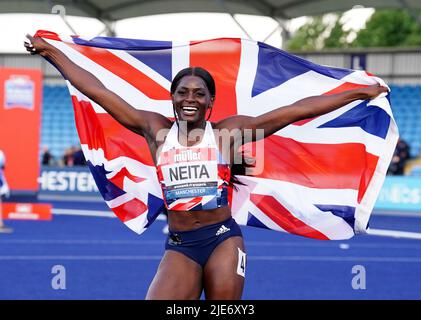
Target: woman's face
column 191, row 99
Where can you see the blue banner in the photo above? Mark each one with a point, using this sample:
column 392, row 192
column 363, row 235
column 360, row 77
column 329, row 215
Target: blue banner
column 67, row 181
column 400, row 193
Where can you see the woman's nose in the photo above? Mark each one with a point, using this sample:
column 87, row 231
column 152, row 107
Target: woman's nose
column 190, row 96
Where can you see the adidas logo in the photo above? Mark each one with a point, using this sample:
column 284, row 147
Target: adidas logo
column 222, row 230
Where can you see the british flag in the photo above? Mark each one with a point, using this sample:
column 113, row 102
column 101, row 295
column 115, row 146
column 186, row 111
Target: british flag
column 320, row 177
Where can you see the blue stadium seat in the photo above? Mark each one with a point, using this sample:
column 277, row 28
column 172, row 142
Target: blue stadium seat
column 58, row 131
column 406, row 107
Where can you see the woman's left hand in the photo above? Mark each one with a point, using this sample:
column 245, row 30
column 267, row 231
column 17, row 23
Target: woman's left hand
column 373, row 91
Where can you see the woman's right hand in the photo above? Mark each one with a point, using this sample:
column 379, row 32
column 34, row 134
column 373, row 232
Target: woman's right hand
column 36, row 45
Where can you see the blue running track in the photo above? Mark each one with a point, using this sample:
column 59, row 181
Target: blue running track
column 103, row 259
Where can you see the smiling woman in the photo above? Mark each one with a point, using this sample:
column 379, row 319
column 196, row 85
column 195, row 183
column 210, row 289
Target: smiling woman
column 194, row 160
column 193, row 94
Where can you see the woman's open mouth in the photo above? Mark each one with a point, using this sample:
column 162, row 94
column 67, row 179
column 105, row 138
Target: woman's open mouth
column 189, row 111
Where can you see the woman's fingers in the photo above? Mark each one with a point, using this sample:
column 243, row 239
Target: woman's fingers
column 29, row 45
column 31, row 38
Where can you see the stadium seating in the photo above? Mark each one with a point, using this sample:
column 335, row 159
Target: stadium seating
column 406, row 106
column 59, row 132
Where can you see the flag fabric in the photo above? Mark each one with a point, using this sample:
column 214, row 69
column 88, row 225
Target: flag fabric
column 319, row 177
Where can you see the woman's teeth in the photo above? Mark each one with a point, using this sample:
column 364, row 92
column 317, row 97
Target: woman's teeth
column 189, row 111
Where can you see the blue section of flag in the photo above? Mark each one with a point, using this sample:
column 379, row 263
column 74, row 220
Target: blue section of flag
column 371, row 119
column 345, row 212
column 158, row 60
column 108, row 190
column 276, row 67
column 253, row 221
column 155, row 207
column 124, row 44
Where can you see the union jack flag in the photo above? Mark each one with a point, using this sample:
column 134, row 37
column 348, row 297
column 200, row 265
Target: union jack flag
column 320, row 177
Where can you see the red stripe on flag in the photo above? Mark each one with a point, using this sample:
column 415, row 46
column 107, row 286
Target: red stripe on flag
column 209, row 55
column 343, row 87
column 118, row 179
column 47, row 34
column 187, row 205
column 130, row 210
column 283, row 218
column 101, row 131
column 318, row 165
column 124, row 70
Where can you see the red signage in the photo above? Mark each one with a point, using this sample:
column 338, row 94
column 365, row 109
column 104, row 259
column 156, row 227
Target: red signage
column 20, row 110
column 26, row 211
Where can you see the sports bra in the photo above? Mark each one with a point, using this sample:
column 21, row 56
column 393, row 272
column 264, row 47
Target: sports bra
column 193, row 178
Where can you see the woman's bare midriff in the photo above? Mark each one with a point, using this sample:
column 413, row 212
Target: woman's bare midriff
column 190, row 220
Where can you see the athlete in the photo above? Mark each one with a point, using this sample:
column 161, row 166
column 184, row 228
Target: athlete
column 204, row 247
column 4, row 191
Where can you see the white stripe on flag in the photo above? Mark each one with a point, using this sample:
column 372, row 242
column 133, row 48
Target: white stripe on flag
column 180, row 56
column 114, row 83
column 374, row 144
column 139, row 65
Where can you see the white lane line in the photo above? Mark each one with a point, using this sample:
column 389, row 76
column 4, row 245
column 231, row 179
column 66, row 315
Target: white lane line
column 72, row 257
column 394, row 233
column 81, row 242
column 110, row 214
column 256, row 258
column 88, row 213
column 315, row 244
column 336, row 259
column 92, row 213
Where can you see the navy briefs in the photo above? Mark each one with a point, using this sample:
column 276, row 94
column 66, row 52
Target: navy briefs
column 198, row 244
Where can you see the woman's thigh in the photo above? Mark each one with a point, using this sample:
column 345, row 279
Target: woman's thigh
column 178, row 278
column 225, row 270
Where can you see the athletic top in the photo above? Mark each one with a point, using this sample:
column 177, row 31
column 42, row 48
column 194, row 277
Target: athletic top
column 193, row 178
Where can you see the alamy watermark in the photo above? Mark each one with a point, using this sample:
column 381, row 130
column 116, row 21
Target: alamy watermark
column 58, row 9
column 58, row 282
column 243, row 147
column 359, row 281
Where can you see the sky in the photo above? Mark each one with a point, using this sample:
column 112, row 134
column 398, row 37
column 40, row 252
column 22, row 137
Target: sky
column 173, row 27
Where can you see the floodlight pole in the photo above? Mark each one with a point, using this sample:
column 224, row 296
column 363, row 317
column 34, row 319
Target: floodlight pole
column 284, row 33
column 68, row 25
column 226, row 9
column 61, row 11
column 109, row 28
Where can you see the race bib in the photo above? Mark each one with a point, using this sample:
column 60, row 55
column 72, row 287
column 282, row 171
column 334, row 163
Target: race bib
column 189, row 173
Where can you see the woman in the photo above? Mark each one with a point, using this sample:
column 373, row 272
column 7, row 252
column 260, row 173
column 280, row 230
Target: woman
column 204, row 248
column 4, row 191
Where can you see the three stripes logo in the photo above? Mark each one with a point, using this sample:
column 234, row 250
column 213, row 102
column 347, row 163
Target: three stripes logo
column 222, row 230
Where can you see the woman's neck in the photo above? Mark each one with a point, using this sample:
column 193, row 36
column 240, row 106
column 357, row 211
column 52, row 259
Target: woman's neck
column 190, row 134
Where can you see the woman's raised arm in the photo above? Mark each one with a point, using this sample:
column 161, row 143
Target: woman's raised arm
column 309, row 107
column 139, row 121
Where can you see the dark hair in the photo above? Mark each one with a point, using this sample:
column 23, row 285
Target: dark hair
column 195, row 71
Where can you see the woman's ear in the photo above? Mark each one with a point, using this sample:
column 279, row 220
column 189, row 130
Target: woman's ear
column 212, row 101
